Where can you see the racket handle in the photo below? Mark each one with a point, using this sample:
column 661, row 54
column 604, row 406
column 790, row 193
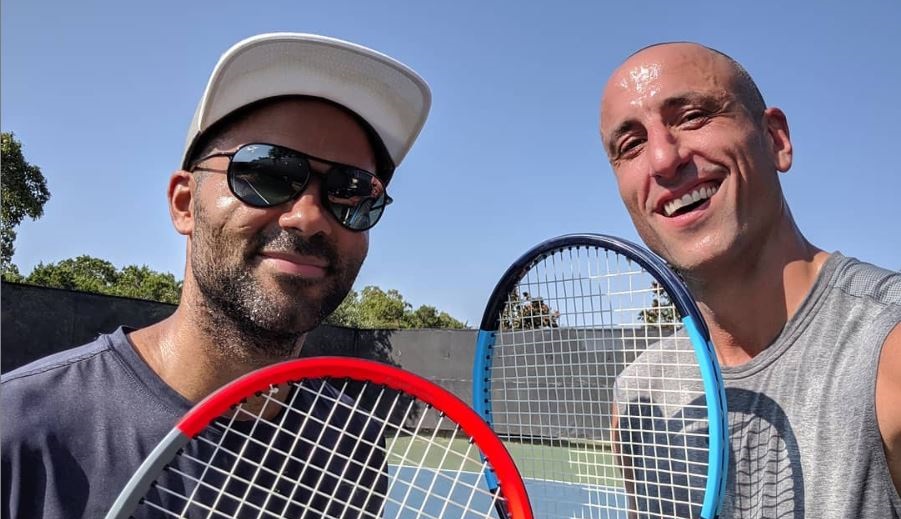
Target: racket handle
column 502, row 512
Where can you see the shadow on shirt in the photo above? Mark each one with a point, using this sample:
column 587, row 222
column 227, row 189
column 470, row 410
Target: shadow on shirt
column 669, row 459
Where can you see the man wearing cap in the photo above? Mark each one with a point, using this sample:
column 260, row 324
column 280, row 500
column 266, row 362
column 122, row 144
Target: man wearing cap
column 285, row 169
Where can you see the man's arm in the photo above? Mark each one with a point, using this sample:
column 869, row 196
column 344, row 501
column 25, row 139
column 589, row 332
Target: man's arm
column 888, row 392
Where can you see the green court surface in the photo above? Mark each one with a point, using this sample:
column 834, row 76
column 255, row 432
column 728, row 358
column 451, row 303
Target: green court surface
column 583, row 463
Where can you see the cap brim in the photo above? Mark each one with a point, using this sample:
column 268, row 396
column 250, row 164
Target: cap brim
column 387, row 94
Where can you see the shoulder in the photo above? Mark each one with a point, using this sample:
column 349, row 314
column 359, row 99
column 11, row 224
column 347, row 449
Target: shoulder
column 76, row 424
column 40, row 394
column 55, row 366
column 65, row 367
column 853, row 298
column 860, row 279
column 50, row 364
column 46, row 420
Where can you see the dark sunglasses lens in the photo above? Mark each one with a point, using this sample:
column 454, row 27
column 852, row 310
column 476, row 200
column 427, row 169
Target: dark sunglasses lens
column 264, row 176
column 356, row 198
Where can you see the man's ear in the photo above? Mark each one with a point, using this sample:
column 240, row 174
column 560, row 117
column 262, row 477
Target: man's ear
column 777, row 131
column 182, row 190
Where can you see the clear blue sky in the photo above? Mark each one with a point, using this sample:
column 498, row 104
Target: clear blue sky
column 101, row 93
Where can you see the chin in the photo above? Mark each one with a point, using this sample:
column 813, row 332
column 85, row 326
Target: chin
column 308, row 305
column 703, row 261
column 690, row 255
column 289, row 317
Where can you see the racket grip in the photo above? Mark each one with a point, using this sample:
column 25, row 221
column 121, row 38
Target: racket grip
column 502, row 512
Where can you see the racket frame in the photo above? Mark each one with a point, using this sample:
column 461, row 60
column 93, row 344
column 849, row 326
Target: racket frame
column 693, row 321
column 224, row 399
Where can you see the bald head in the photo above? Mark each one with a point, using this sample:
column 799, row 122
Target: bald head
column 681, row 120
column 745, row 84
column 692, row 64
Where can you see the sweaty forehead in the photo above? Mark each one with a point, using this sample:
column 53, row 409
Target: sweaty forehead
column 675, row 59
column 652, row 74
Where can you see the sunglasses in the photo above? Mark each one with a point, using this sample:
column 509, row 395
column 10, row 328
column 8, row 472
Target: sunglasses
column 266, row 175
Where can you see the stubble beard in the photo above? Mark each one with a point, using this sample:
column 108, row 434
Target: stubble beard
column 688, row 265
column 246, row 320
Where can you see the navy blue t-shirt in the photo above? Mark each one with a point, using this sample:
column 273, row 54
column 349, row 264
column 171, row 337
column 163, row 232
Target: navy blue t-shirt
column 76, row 426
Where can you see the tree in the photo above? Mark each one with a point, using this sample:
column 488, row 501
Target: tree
column 525, row 312
column 90, row 274
column 348, row 312
column 380, row 309
column 24, row 192
column 144, row 283
column 82, row 273
column 376, row 308
column 370, row 308
column 429, row 317
column 662, row 310
column 11, row 274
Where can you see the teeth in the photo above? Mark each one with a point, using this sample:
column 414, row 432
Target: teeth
column 701, row 193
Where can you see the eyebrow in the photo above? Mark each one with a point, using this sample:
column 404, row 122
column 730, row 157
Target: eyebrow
column 709, row 101
column 624, row 127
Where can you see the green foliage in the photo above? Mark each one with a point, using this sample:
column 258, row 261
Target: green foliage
column 375, row 308
column 12, row 274
column 380, row 309
column 348, row 312
column 24, row 192
column 82, row 273
column 371, row 308
column 429, row 317
column 662, row 310
column 144, row 283
column 90, row 274
column 524, row 312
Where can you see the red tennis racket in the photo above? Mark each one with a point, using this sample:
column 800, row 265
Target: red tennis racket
column 327, row 437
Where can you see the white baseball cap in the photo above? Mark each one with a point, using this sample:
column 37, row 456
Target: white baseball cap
column 387, row 94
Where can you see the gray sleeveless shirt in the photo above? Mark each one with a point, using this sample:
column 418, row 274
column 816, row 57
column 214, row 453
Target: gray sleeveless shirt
column 802, row 418
column 802, row 414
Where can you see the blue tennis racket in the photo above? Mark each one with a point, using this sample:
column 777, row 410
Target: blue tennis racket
column 595, row 367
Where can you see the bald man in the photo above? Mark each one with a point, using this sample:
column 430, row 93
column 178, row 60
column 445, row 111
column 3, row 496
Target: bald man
column 809, row 341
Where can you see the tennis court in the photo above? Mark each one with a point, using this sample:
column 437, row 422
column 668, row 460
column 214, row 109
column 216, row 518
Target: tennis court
column 576, row 481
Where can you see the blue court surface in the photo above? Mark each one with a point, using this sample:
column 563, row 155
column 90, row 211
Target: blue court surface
column 419, row 492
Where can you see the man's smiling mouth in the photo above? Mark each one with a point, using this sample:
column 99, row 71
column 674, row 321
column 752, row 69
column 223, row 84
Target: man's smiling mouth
column 690, row 200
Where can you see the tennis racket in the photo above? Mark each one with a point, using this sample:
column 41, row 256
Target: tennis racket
column 595, row 367
column 327, row 437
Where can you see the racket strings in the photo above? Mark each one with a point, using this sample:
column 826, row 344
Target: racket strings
column 325, row 455
column 577, row 390
column 267, row 401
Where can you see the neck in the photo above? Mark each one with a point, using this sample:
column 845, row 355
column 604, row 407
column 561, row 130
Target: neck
column 196, row 354
column 747, row 302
